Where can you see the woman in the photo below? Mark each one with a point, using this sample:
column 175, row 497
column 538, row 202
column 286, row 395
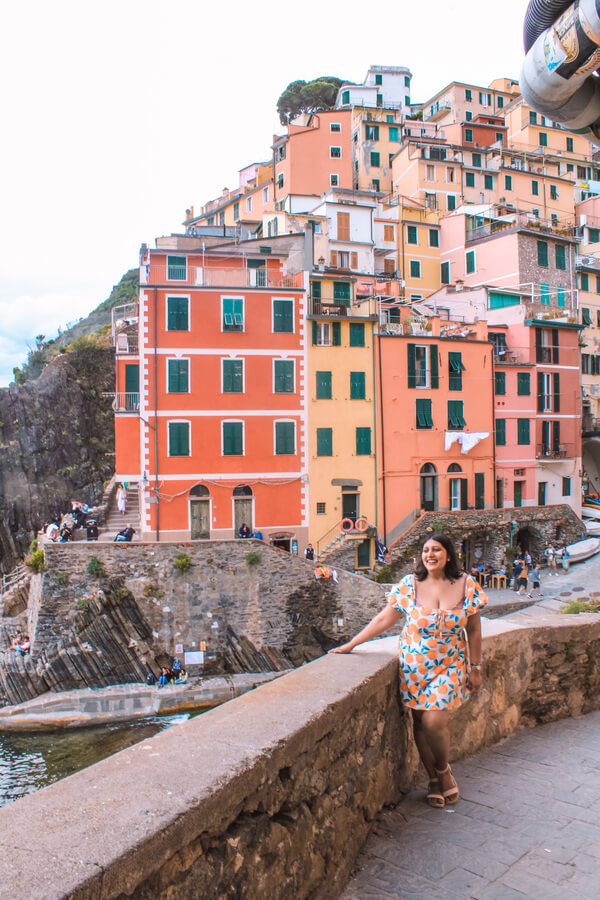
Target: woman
column 523, row 579
column 440, row 602
column 121, row 499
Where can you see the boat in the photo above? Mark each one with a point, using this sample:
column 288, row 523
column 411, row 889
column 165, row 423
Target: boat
column 590, row 511
column 592, row 526
column 583, row 549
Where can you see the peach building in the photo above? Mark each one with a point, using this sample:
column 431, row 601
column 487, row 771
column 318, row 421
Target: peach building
column 460, row 102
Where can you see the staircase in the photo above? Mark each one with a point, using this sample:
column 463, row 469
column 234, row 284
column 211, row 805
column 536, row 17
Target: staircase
column 115, row 520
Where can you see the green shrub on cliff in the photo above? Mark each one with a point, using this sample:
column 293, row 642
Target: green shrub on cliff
column 253, row 558
column 95, row 567
column 182, row 563
column 580, row 606
column 35, row 561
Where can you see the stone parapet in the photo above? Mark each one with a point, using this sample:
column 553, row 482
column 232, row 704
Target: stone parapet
column 274, row 793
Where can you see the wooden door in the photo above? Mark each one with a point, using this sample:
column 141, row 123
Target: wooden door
column 200, row 519
column 242, row 513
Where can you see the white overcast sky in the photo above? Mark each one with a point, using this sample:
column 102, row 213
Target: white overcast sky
column 118, row 116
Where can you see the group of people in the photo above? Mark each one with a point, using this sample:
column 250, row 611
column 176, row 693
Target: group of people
column 174, row 674
column 245, row 532
column 60, row 529
column 21, row 643
column 526, row 574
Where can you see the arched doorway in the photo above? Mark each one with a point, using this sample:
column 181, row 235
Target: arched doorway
column 458, row 488
column 199, row 513
column 530, row 540
column 429, row 492
column 243, row 508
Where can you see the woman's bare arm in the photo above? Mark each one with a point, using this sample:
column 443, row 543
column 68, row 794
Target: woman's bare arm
column 382, row 621
column 474, row 639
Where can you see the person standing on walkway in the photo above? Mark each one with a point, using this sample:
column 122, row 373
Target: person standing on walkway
column 121, row 499
column 535, row 576
column 522, row 580
column 551, row 558
column 565, row 560
column 439, row 666
column 517, row 566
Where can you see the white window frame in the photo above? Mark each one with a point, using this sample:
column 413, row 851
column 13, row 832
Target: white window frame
column 225, row 359
column 547, row 393
column 450, row 175
column 410, row 274
column 285, row 421
column 455, row 493
column 335, row 127
column 339, row 156
column 232, row 422
column 233, row 297
column 266, row 194
column 178, row 359
column 249, row 204
column 424, row 347
column 429, row 172
column 323, row 331
column 171, row 296
column 284, row 359
column 333, row 175
column 187, row 422
column 288, row 300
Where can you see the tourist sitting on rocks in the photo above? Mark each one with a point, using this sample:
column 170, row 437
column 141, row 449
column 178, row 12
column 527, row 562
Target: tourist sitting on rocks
column 125, row 535
column 244, row 531
column 52, row 531
column 176, row 668
column 310, row 552
column 22, row 643
column 165, row 676
column 78, row 514
column 257, row 534
column 183, row 677
column 150, row 678
column 66, row 534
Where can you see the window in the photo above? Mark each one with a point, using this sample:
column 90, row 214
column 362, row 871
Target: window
column 178, row 377
column 423, row 410
column 411, row 234
column 389, row 117
column 598, row 284
column 451, row 202
column 378, row 79
column 407, row 81
column 357, row 334
column 323, row 385
column 468, row 115
column 325, row 334
column 508, row 182
column 434, row 237
column 343, row 226
column 542, row 253
column 335, row 127
column 280, row 180
column 449, row 175
column 584, row 281
column 532, row 117
column 500, row 383
column 388, row 233
column 542, row 485
column 379, row 99
column 363, row 441
column 176, row 268
column 372, row 132
column 407, row 100
column 569, row 145
column 468, row 95
column 415, row 268
column 233, row 376
column 543, row 139
column 285, row 438
column 561, row 296
column 500, row 432
column 566, row 487
column 544, row 294
column 429, row 173
column 455, row 415
column 321, row 509
column 560, row 256
column 470, row 261
column 283, row 316
column 570, row 167
column 345, row 97
column 455, row 370
column 210, row 220
column 357, row 386
column 499, row 135
column 445, row 277
column 179, row 438
column 535, row 188
column 500, row 101
column 586, row 316
column 249, row 204
column 546, row 345
column 476, row 159
column 222, row 217
column 335, row 153
column 265, row 195
column 593, row 235
column 553, row 192
column 334, row 180
column 324, row 441
column 233, row 438
column 470, row 179
column 283, row 376
column 393, row 134
column 523, row 384
column 523, row 436
column 376, row 184
column 488, row 182
column 236, row 210
column 178, row 314
column 468, row 135
column 375, row 159
column 233, row 313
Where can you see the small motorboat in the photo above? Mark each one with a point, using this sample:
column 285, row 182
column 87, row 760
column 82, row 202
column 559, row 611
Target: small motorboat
column 592, row 526
column 583, row 549
column 590, row 510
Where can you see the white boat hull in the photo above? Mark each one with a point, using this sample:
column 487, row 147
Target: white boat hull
column 590, row 512
column 592, row 526
column 583, row 549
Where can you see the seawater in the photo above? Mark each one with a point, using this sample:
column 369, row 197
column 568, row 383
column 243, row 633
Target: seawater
column 29, row 761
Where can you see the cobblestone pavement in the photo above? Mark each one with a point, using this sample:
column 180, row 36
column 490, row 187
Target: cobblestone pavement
column 527, row 826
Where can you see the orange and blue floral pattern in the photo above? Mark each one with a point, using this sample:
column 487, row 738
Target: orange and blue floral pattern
column 433, row 649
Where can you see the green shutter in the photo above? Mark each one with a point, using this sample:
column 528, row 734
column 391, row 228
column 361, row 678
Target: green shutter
column 500, row 382
column 488, row 182
column 479, row 490
column 412, row 365
column 336, row 334
column 315, row 290
column 411, row 237
column 470, row 260
column 434, row 366
column 542, row 253
column 415, row 268
column 508, row 182
column 434, row 237
column 132, row 378
column 424, row 414
column 177, row 314
column 178, row 376
column 523, row 384
column 470, row 179
column 357, row 334
column 393, row 134
column 342, row 291
column 285, row 438
column 455, row 414
column 357, row 386
column 523, row 431
column 585, row 281
column 324, row 442
column 315, row 332
column 586, row 316
column 363, row 441
column 556, row 391
column 464, row 487
column 283, row 316
column 233, row 438
column 566, row 487
column 176, row 268
column 323, row 385
column 445, row 273
column 284, row 376
column 544, row 294
column 179, row 439
column 501, row 432
column 375, row 161
column 451, row 202
column 561, row 296
column 455, row 370
column 233, row 376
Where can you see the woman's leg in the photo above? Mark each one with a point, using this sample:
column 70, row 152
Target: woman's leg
column 431, row 737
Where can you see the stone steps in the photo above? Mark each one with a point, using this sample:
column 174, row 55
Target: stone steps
column 115, row 520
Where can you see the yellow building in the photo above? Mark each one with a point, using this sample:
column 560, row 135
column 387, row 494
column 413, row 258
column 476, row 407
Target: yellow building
column 588, row 278
column 407, row 246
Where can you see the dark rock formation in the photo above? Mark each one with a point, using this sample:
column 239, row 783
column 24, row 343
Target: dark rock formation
column 56, row 443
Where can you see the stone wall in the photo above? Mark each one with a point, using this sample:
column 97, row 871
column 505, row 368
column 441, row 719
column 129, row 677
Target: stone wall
column 486, row 532
column 273, row 794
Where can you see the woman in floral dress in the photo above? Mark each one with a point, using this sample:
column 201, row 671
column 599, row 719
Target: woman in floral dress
column 439, row 666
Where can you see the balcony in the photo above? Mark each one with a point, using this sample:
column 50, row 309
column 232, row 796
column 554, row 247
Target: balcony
column 477, row 229
column 126, row 402
column 336, row 307
column 328, row 309
column 230, row 277
column 545, row 453
column 125, row 326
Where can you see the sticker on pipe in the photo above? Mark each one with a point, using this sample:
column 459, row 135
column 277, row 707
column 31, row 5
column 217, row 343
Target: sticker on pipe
column 554, row 53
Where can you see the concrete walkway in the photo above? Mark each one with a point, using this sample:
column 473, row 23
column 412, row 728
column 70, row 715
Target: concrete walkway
column 527, row 826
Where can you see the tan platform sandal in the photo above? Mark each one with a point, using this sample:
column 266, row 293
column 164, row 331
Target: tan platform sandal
column 452, row 795
column 434, row 795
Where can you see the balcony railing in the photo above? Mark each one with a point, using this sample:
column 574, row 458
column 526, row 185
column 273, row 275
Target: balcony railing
column 328, row 309
column 522, row 220
column 209, row 276
column 125, row 328
column 548, row 453
column 126, row 402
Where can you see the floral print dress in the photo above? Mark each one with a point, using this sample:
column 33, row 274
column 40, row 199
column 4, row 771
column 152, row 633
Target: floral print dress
column 433, row 647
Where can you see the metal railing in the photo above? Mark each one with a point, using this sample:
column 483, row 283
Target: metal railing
column 128, row 402
column 545, row 452
column 18, row 574
column 125, row 327
column 212, row 276
column 328, row 309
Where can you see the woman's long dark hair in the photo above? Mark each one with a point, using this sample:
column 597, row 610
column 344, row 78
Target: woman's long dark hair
column 452, row 569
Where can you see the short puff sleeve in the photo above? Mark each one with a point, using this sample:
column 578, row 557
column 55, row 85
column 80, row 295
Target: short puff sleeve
column 475, row 599
column 401, row 595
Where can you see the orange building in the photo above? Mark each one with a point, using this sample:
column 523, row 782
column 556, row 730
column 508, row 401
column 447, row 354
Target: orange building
column 209, row 406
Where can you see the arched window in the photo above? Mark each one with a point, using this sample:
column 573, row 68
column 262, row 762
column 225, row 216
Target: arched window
column 242, row 490
column 429, row 492
column 454, row 467
column 428, row 469
column 199, row 490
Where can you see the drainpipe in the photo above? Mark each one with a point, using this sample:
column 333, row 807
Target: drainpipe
column 513, row 527
column 374, row 416
column 156, row 420
column 494, row 486
column 382, row 444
